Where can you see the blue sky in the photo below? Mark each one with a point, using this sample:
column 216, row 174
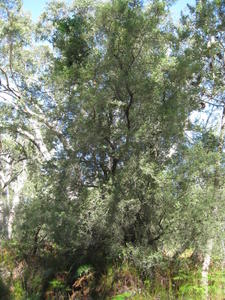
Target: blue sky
column 34, row 6
column 179, row 6
column 37, row 6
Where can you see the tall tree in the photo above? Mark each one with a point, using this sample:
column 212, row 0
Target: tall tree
column 207, row 32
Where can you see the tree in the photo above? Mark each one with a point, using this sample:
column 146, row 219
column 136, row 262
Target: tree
column 92, row 115
column 206, row 29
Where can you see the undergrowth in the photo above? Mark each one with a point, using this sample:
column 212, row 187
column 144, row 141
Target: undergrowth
column 117, row 281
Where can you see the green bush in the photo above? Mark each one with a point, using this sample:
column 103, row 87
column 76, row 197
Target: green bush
column 18, row 291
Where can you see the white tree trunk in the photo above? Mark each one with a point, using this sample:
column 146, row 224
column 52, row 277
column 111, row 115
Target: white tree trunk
column 223, row 253
column 39, row 140
column 205, row 268
column 17, row 187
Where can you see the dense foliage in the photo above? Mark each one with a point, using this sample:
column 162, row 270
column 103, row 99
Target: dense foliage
column 103, row 161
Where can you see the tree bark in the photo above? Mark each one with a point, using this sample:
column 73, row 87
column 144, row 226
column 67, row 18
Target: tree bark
column 17, row 189
column 205, row 267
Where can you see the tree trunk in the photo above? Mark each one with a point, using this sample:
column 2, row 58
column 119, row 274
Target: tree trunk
column 39, row 140
column 205, row 267
column 17, row 189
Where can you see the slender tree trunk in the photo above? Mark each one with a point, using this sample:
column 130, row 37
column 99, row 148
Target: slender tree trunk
column 17, row 189
column 5, row 194
column 205, row 267
column 223, row 252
